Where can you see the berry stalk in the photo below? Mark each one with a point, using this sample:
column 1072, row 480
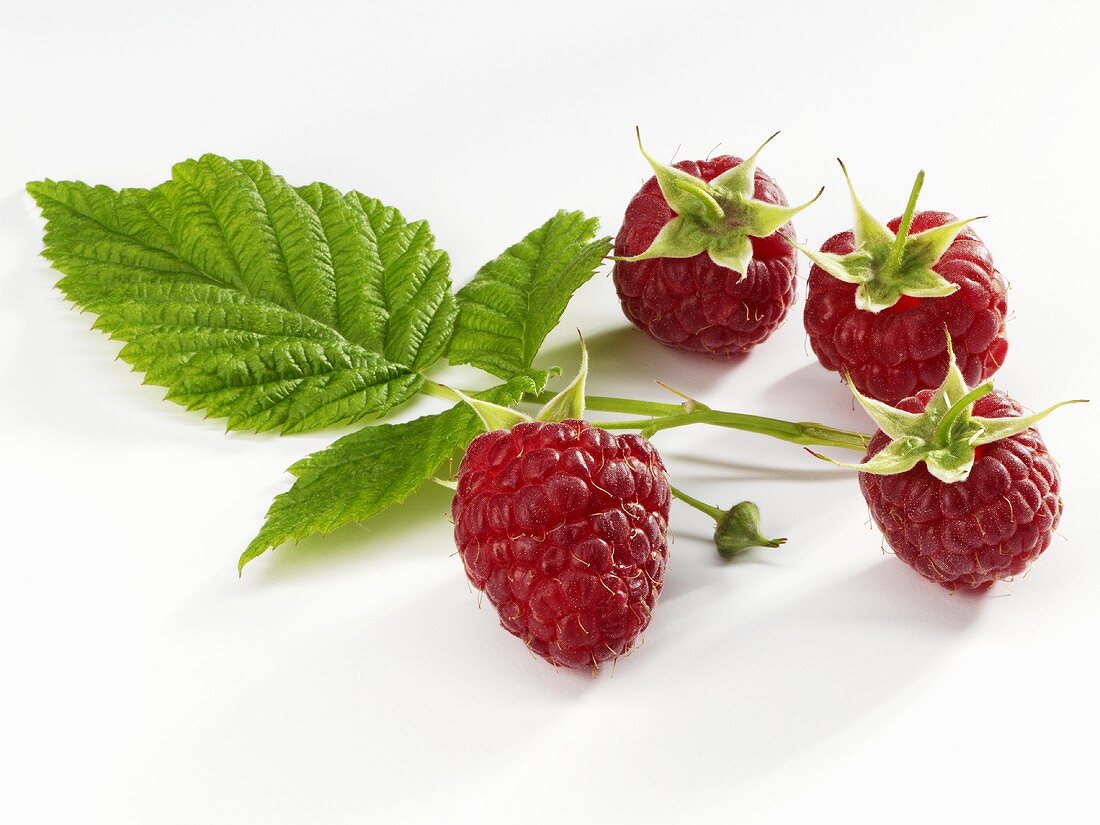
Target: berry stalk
column 659, row 416
column 666, row 416
column 736, row 529
column 906, row 224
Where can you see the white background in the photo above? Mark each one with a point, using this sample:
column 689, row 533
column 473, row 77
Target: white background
column 354, row 678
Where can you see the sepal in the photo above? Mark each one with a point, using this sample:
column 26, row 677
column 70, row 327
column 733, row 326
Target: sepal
column 734, row 251
column 892, row 421
column 685, row 194
column 679, row 238
column 885, row 265
column 740, row 181
column 719, row 217
column 569, row 403
column 994, row 429
column 493, row 416
column 896, row 457
column 945, row 435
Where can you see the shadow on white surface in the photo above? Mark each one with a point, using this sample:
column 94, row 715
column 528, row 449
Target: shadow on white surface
column 73, row 378
column 386, row 533
column 349, row 721
column 813, row 393
column 732, row 471
column 350, row 717
column 778, row 685
column 626, row 358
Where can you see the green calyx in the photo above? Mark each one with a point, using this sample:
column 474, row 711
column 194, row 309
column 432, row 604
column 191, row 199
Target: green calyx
column 885, row 265
column 717, row 217
column 737, row 529
column 944, row 436
column 569, row 403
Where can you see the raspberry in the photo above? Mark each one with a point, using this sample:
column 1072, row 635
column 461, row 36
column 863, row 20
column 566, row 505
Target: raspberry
column 879, row 298
column 694, row 304
column 968, row 534
column 895, row 353
column 563, row 526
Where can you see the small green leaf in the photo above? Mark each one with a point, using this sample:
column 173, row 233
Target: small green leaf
column 270, row 306
column 363, row 473
column 507, row 310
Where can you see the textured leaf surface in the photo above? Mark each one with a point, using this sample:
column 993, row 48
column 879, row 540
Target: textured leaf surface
column 267, row 305
column 507, row 310
column 363, row 473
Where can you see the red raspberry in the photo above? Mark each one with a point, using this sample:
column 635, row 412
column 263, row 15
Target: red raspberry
column 694, row 304
column 969, row 534
column 563, row 526
column 879, row 298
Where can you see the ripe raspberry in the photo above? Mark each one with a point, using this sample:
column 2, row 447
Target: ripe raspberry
column 968, row 534
column 703, row 263
column 894, row 353
column 563, row 526
column 884, row 325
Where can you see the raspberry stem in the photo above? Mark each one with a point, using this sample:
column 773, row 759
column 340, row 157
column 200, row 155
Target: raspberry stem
column 660, row 416
column 716, row 513
column 903, row 228
column 667, row 416
column 736, row 529
column 943, row 429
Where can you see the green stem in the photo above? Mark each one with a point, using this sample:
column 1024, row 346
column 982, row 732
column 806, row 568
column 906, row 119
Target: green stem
column 630, row 406
column 943, row 429
column 806, row 433
column 714, row 512
column 667, row 416
column 906, row 222
column 440, row 391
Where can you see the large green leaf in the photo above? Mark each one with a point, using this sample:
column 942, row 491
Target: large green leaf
column 363, row 473
column 270, row 306
column 508, row 309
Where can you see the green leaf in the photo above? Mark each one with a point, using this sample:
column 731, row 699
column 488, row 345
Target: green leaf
column 270, row 306
column 363, row 473
column 507, row 310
